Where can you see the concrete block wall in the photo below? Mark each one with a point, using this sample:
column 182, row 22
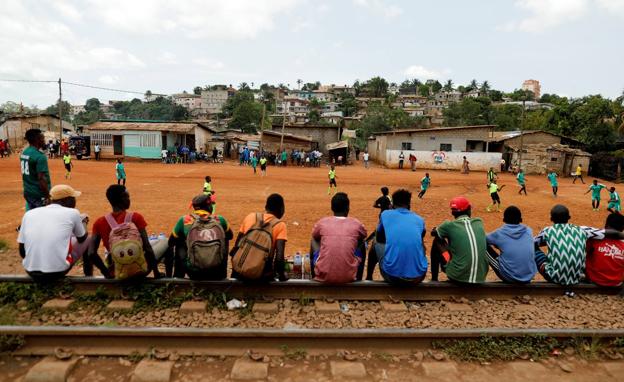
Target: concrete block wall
column 479, row 161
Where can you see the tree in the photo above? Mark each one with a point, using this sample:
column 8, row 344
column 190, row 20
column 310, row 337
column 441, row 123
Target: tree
column 496, row 95
column 299, row 82
column 243, row 96
column 243, row 86
column 485, row 89
column 197, row 90
column 376, row 87
column 65, row 108
column 148, row 95
column 435, row 86
column 92, row 104
column 448, row 86
column 424, row 90
column 348, row 104
column 311, row 86
column 314, row 116
column 247, row 116
column 522, row 95
column 474, row 85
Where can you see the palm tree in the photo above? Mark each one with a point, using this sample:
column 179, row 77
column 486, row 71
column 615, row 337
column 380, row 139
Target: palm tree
column 485, row 88
column 473, row 85
column 448, row 86
column 299, row 81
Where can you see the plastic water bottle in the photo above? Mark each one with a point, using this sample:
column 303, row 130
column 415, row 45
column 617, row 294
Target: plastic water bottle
column 306, row 266
column 297, row 265
column 162, row 236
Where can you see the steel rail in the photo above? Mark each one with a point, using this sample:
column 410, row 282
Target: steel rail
column 357, row 291
column 107, row 341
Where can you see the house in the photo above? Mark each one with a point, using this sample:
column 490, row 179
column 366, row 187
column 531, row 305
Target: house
column 448, row 96
column 436, row 148
column 293, row 105
column 338, row 89
column 323, row 95
column 146, row 139
column 321, row 135
column 300, row 94
column 75, row 109
column 14, row 128
column 271, row 141
column 189, row 101
column 213, row 100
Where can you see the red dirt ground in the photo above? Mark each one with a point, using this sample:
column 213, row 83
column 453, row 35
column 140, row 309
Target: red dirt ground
column 162, row 193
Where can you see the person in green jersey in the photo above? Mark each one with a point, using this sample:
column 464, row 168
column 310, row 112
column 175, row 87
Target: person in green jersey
column 459, row 246
column 254, row 163
column 521, row 181
column 35, row 172
column 121, row 172
column 491, row 175
column 208, row 185
column 494, row 189
column 425, row 182
column 332, row 180
column 595, row 188
column 263, row 166
column 614, row 201
column 284, row 158
column 552, row 177
column 68, row 164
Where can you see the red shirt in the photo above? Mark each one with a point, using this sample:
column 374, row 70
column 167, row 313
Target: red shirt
column 605, row 262
column 103, row 229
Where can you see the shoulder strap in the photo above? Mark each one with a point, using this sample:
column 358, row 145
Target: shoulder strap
column 111, row 221
column 128, row 217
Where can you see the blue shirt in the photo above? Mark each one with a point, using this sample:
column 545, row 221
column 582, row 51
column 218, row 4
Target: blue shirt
column 402, row 232
column 553, row 179
column 517, row 253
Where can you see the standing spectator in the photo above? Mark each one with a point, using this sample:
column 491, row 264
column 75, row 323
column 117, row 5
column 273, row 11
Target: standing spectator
column 399, row 246
column 2, row 148
column 139, row 265
column 35, row 172
column 53, row 238
column 271, row 258
column 605, row 258
column 401, row 159
column 516, row 261
column 241, row 157
column 215, row 155
column 578, row 174
column 357, row 153
column 254, row 163
column 366, row 156
column 284, row 158
column 465, row 166
column 565, row 262
column 337, row 247
column 120, row 171
column 459, row 246
column 163, row 155
column 412, row 160
column 97, row 150
column 502, row 165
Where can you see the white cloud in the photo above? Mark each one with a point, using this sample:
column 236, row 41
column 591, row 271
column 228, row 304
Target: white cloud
column 67, row 10
column 208, row 63
column 232, row 19
column 420, row 72
column 616, row 6
column 380, row 7
column 108, row 79
column 546, row 14
column 167, row 58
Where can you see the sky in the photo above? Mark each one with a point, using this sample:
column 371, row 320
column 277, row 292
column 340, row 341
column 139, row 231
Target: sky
column 573, row 47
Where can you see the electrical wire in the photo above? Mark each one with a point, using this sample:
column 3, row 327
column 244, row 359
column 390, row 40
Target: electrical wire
column 81, row 85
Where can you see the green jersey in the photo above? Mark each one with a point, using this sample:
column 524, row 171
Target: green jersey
column 33, row 163
column 553, row 179
column 595, row 190
column 614, row 197
column 520, row 178
column 332, row 174
column 425, row 182
column 493, row 187
column 466, row 237
column 207, row 188
column 491, row 175
column 254, row 161
column 263, row 161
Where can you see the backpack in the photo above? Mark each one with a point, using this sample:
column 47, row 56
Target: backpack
column 255, row 249
column 205, row 243
column 126, row 248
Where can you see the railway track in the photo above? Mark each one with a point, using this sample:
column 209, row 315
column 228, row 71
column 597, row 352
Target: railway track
column 357, row 291
column 107, row 341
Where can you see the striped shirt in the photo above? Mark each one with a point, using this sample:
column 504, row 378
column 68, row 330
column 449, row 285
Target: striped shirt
column 467, row 245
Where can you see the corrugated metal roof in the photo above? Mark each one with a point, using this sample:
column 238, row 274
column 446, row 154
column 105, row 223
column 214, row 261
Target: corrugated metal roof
column 174, row 127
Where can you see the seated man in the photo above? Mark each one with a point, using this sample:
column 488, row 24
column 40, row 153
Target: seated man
column 129, row 253
column 52, row 238
column 258, row 253
column 459, row 247
column 605, row 258
column 208, row 237
column 566, row 243
column 338, row 245
column 399, row 246
column 516, row 261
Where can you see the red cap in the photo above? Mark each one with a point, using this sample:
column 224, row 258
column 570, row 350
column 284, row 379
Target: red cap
column 459, row 203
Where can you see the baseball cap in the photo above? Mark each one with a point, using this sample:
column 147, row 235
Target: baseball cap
column 63, row 191
column 459, row 203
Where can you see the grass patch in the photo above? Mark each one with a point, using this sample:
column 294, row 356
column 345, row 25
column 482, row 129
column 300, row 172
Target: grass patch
column 304, row 300
column 294, row 354
column 486, row 349
column 10, row 343
column 34, row 294
column 136, row 357
column 4, row 245
column 99, row 299
column 7, row 315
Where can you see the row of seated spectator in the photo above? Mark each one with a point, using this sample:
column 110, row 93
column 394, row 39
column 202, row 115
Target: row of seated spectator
column 198, row 246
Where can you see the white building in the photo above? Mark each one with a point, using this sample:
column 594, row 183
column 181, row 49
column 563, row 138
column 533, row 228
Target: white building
column 212, row 101
column 189, row 101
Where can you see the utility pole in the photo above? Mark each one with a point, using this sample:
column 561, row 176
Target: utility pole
column 521, row 136
column 283, row 126
column 263, row 113
column 60, row 111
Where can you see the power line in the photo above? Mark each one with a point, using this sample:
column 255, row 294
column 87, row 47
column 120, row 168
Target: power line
column 81, row 85
column 13, row 80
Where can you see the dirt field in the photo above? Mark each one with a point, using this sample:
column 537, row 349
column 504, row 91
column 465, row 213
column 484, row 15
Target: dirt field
column 162, row 193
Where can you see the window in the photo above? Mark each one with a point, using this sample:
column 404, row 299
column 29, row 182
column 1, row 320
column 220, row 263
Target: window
column 103, row 139
column 406, row 145
column 446, row 147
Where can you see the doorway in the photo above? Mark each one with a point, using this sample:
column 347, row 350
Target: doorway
column 117, row 144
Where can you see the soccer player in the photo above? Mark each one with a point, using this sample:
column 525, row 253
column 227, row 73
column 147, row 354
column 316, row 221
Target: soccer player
column 424, row 185
column 254, row 163
column 614, row 201
column 491, row 175
column 521, row 182
column 494, row 189
column 578, row 174
column 552, row 176
column 332, row 180
column 207, row 185
column 68, row 165
column 263, row 165
column 595, row 189
column 121, row 173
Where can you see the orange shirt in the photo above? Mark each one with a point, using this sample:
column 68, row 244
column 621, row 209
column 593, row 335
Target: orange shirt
column 279, row 230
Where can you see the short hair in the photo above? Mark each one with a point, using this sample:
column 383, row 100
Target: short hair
column 560, row 214
column 402, row 198
column 202, row 202
column 114, row 194
column 32, row 135
column 340, row 203
column 385, row 191
column 512, row 215
column 274, row 203
column 208, row 179
column 615, row 221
